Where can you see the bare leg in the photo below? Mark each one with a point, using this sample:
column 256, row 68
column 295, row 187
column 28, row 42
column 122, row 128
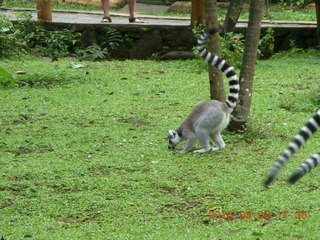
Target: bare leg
column 105, row 7
column 132, row 8
column 219, row 141
column 132, row 12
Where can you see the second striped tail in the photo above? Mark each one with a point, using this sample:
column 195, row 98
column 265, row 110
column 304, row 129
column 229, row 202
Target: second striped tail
column 299, row 140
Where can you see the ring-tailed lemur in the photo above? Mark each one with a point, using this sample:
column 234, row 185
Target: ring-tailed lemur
column 299, row 140
column 209, row 118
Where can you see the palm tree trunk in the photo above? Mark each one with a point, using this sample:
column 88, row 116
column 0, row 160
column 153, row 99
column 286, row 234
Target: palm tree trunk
column 217, row 91
column 242, row 110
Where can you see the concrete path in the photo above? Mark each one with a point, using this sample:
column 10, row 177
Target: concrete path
column 94, row 17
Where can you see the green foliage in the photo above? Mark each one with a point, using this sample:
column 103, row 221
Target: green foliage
column 296, row 52
column 53, row 43
column 11, row 41
column 7, row 79
column 110, row 43
column 294, row 2
column 231, row 45
column 92, row 53
column 43, row 42
column 232, row 48
column 316, row 97
column 26, row 36
column 112, row 39
column 266, row 44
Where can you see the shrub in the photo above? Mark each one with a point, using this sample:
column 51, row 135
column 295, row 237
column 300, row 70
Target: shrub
column 11, row 42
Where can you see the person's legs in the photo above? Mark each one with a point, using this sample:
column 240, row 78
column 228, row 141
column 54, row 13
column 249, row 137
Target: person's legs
column 132, row 11
column 105, row 7
column 132, row 8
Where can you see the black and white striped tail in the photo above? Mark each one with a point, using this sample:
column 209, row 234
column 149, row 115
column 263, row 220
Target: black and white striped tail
column 299, row 140
column 221, row 65
column 305, row 167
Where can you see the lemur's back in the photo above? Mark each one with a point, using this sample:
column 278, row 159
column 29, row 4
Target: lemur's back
column 208, row 114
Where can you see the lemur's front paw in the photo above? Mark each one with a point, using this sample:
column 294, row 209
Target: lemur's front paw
column 216, row 148
column 180, row 152
column 201, row 151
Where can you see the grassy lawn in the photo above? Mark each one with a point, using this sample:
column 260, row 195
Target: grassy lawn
column 83, row 154
column 276, row 12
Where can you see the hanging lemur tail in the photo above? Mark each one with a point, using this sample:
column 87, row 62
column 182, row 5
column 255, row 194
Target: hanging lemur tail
column 299, row 140
column 305, row 167
column 221, row 65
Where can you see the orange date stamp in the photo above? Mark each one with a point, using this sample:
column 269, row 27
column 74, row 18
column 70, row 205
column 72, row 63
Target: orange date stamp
column 246, row 215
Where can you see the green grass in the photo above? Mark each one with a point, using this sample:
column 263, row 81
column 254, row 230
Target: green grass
column 276, row 12
column 85, row 157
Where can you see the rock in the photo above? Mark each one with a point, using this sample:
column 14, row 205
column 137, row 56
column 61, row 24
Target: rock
column 311, row 6
column 149, row 43
column 174, row 55
column 180, row 7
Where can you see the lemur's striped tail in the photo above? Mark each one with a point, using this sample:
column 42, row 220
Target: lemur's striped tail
column 299, row 140
column 305, row 167
column 221, row 65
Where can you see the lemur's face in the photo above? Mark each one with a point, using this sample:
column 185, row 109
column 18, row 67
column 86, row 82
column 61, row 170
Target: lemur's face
column 173, row 139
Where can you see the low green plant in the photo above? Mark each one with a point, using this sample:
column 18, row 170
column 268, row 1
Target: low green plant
column 294, row 2
column 231, row 45
column 27, row 36
column 266, row 44
column 11, row 41
column 59, row 43
column 232, row 48
column 295, row 51
column 92, row 53
column 112, row 39
column 7, row 79
column 316, row 97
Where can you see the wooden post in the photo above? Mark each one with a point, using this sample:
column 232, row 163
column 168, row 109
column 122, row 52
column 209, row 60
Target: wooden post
column 197, row 12
column 44, row 10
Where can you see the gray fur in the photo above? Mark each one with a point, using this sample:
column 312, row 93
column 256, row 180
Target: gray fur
column 206, row 121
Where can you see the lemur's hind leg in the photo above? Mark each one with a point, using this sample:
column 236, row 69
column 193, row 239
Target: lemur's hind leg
column 203, row 137
column 216, row 137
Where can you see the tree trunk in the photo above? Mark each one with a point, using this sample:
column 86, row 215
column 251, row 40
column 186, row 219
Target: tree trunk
column 197, row 12
column 242, row 110
column 318, row 19
column 217, row 91
column 232, row 16
column 44, row 10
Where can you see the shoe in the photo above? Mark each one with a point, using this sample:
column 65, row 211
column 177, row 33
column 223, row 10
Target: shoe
column 135, row 20
column 106, row 19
